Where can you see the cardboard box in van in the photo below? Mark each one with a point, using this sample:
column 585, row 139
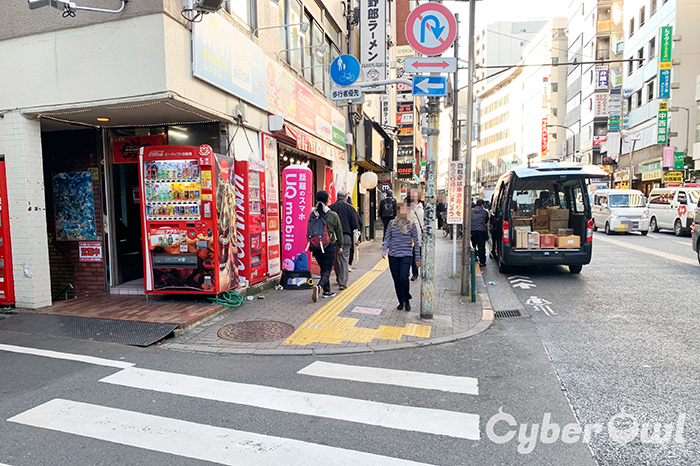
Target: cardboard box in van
column 522, row 221
column 548, row 240
column 533, row 240
column 540, row 223
column 565, row 231
column 556, row 225
column 556, row 213
column 521, row 237
column 542, row 212
column 568, row 242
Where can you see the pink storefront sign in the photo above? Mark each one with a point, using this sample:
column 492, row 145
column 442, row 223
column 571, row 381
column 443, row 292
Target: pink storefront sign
column 297, row 202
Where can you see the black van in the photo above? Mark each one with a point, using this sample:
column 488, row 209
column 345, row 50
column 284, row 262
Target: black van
column 519, row 194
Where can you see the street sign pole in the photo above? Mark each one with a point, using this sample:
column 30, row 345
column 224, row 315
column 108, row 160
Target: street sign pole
column 456, row 136
column 428, row 254
column 467, row 223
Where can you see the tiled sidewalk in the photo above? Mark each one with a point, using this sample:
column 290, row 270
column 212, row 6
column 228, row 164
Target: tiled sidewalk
column 337, row 329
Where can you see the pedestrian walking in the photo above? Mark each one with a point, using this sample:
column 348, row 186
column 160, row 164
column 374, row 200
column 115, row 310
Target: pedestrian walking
column 387, row 209
column 480, row 230
column 417, row 216
column 401, row 244
column 349, row 221
column 324, row 218
column 441, row 213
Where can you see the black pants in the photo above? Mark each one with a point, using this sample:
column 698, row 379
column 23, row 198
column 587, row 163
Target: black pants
column 414, row 266
column 325, row 262
column 479, row 239
column 386, row 221
column 400, row 267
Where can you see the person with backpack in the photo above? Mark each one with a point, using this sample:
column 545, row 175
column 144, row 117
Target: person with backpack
column 349, row 221
column 325, row 236
column 387, row 209
column 402, row 244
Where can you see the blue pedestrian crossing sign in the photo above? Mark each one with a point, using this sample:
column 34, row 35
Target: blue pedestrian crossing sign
column 432, row 86
column 345, row 70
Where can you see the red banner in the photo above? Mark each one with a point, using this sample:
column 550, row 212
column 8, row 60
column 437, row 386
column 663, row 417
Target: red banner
column 126, row 148
column 329, row 184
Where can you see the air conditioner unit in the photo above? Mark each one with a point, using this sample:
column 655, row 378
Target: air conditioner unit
column 207, row 6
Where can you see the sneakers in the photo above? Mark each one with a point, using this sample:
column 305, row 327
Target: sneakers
column 314, row 293
column 408, row 306
column 483, row 264
column 414, row 278
column 328, row 294
column 342, row 287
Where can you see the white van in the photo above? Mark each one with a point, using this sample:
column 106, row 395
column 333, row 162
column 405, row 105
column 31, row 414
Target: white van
column 672, row 209
column 620, row 210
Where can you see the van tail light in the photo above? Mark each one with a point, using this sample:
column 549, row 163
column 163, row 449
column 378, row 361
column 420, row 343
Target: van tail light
column 589, row 230
column 506, row 232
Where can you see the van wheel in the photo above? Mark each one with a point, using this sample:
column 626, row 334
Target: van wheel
column 595, row 227
column 698, row 248
column 607, row 228
column 677, row 228
column 503, row 268
column 653, row 226
column 575, row 268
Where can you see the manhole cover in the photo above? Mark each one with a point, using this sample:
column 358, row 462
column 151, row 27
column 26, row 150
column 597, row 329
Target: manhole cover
column 256, row 330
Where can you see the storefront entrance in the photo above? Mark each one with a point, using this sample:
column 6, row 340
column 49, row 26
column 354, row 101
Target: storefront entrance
column 127, row 228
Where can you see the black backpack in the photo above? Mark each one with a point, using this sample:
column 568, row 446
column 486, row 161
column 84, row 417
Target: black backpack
column 388, row 208
column 317, row 232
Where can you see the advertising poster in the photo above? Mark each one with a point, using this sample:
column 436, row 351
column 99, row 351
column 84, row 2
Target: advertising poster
column 455, row 193
column 74, row 207
column 329, row 185
column 272, row 214
column 297, row 202
column 125, row 149
column 226, row 222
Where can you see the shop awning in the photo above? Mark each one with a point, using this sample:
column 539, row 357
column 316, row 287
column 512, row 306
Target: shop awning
column 309, row 143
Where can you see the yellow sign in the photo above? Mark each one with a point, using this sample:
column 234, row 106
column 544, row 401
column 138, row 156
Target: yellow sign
column 673, row 177
column 663, row 106
column 652, row 175
column 665, row 65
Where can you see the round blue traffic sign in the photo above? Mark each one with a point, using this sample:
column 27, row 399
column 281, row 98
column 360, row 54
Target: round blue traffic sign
column 345, row 70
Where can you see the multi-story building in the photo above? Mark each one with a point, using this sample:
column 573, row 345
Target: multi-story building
column 149, row 76
column 518, row 107
column 501, row 43
column 595, row 35
column 644, row 87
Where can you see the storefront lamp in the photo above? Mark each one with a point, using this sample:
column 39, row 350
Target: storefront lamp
column 369, row 180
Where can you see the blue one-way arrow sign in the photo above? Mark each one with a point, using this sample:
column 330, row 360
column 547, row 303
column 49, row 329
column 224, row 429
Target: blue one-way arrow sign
column 433, row 86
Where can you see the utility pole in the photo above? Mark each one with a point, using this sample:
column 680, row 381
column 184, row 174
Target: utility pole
column 428, row 254
column 467, row 221
column 456, row 136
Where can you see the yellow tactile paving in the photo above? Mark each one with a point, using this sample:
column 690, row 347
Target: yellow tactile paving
column 325, row 325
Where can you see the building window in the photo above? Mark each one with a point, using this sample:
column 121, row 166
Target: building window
column 652, row 48
column 294, row 37
column 631, row 27
column 244, row 10
column 640, row 56
column 639, row 98
column 652, row 10
column 642, row 14
column 603, row 52
column 555, row 87
column 628, row 101
column 630, row 67
column 650, row 91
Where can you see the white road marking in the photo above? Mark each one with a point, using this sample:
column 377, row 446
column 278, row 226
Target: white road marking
column 431, row 421
column 665, row 255
column 3, row 464
column 189, row 439
column 446, row 383
column 684, row 243
column 66, row 356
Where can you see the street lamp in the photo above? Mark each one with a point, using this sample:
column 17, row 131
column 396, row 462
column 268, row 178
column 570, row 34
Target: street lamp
column 634, row 140
column 320, row 51
column 573, row 152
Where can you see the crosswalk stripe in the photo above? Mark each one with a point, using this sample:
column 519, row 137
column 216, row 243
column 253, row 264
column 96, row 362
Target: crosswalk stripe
column 189, row 439
column 447, row 383
column 431, row 421
column 66, row 356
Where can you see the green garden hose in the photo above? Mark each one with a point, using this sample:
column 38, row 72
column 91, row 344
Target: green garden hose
column 228, row 298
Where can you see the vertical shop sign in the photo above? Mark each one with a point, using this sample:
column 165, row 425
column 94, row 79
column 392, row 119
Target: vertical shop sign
column 455, row 193
column 678, row 160
column 545, row 92
column 667, row 159
column 373, row 59
column 545, row 137
column 602, row 76
column 297, row 202
column 662, row 124
column 665, row 52
column 272, row 214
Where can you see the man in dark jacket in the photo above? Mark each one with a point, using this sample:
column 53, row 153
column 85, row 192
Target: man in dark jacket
column 387, row 209
column 480, row 230
column 349, row 221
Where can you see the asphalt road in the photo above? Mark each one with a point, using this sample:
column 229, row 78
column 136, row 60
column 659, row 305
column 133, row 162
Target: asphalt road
column 623, row 338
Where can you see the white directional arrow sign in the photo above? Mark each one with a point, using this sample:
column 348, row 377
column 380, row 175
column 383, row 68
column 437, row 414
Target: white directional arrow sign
column 433, row 86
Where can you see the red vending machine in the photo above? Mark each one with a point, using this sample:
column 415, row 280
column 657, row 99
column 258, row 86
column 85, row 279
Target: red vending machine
column 7, row 284
column 187, row 209
column 250, row 222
